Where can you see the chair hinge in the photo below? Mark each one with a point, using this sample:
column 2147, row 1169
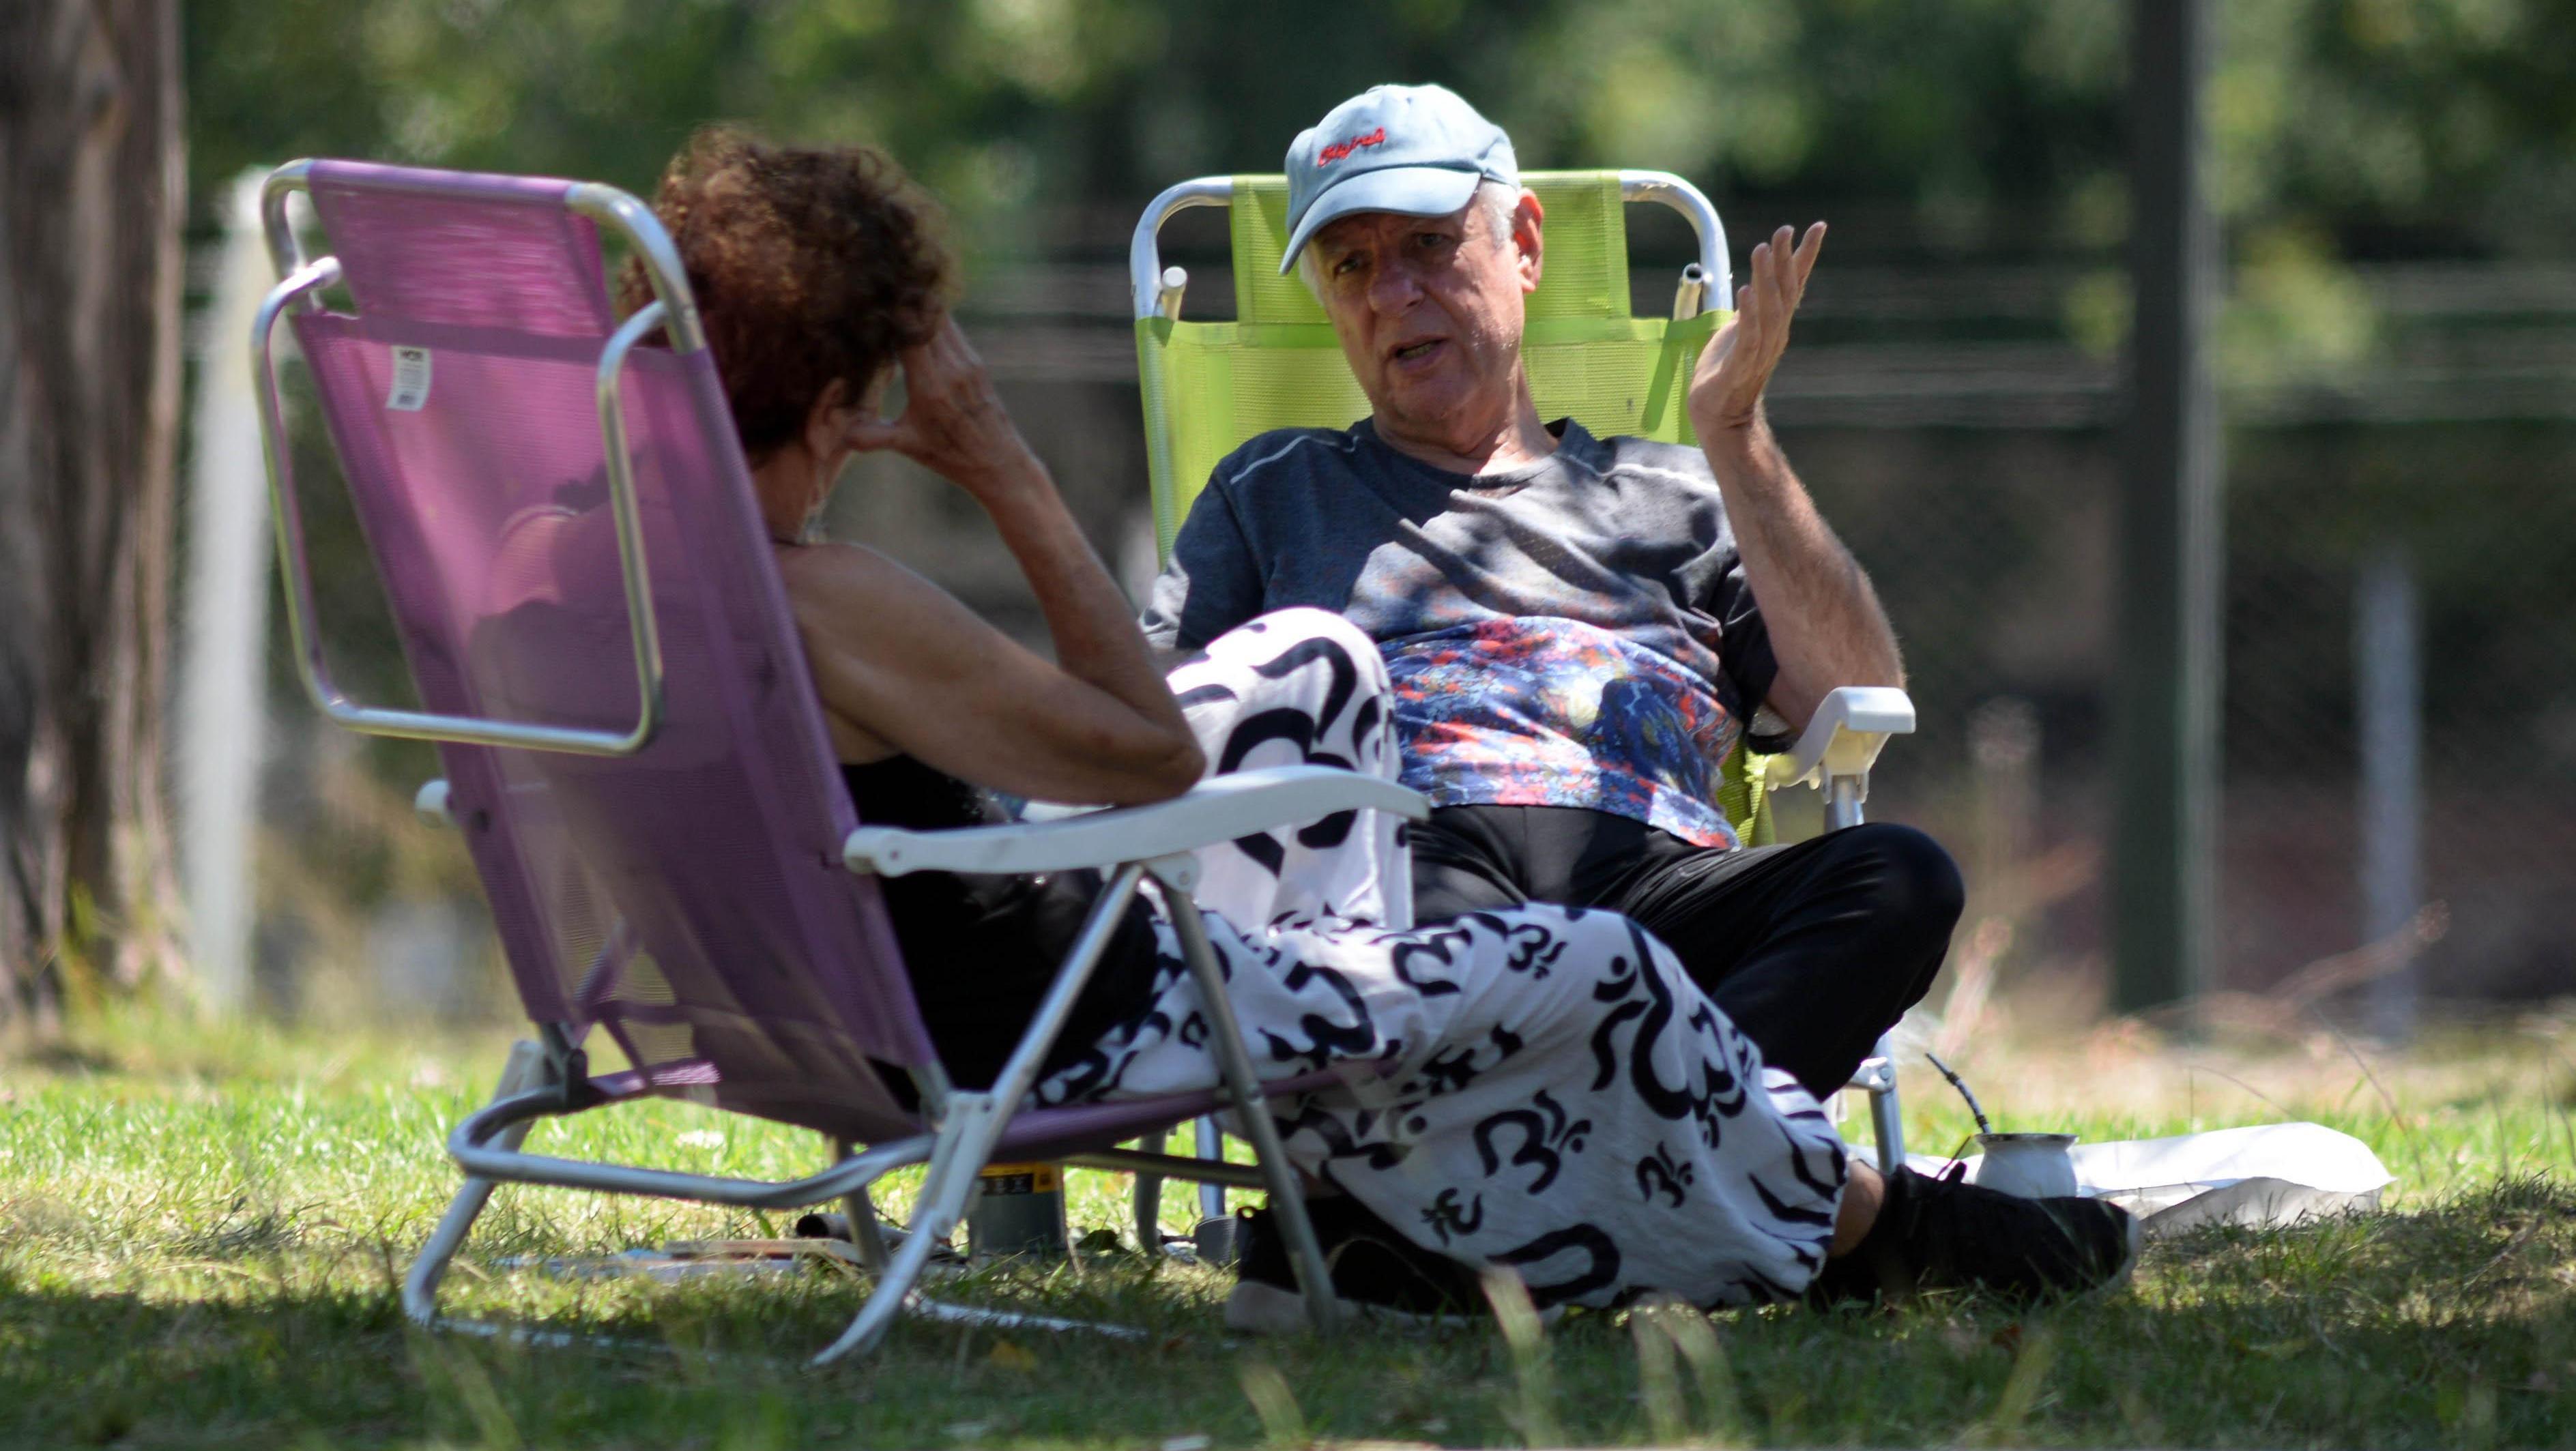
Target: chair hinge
column 568, row 1072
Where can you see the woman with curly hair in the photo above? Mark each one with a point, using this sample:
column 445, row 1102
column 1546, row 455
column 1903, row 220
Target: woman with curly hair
column 1548, row 1091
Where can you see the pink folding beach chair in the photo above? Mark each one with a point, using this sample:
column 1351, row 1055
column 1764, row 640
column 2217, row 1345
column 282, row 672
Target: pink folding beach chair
column 565, row 530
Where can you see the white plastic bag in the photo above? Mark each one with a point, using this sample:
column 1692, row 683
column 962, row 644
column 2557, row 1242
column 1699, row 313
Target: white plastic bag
column 2264, row 1174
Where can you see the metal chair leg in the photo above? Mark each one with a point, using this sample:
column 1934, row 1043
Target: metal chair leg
column 1889, row 1124
column 1211, row 1145
column 1287, row 1207
column 1878, row 1075
column 526, row 1069
column 1149, row 1198
column 964, row 1142
column 865, row 1233
column 1845, row 795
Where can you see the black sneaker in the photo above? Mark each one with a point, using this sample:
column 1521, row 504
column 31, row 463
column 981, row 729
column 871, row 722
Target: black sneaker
column 1946, row 1234
column 1377, row 1272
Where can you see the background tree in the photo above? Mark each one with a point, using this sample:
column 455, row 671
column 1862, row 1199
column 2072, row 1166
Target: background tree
column 93, row 190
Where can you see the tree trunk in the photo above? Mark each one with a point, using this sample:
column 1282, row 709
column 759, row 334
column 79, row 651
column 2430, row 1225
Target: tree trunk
column 93, row 190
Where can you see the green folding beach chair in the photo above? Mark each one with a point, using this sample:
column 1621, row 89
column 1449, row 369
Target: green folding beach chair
column 1211, row 386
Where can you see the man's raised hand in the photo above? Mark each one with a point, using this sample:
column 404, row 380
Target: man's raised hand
column 1726, row 391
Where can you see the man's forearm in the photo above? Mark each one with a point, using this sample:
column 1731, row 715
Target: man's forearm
column 1826, row 626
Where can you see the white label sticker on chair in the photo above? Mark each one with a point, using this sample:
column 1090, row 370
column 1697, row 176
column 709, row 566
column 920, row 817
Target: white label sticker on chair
column 411, row 380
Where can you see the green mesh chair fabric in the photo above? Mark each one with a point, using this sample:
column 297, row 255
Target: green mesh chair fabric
column 1210, row 386
column 1744, row 799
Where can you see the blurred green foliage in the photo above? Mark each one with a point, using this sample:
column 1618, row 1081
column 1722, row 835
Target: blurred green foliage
column 2370, row 124
column 2346, row 130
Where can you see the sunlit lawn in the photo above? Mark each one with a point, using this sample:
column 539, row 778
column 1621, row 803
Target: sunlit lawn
column 201, row 1236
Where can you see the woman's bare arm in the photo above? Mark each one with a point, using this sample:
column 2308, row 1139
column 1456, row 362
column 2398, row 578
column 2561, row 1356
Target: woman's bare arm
column 908, row 665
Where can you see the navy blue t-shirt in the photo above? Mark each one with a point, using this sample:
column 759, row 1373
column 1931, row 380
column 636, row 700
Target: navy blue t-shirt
column 1573, row 632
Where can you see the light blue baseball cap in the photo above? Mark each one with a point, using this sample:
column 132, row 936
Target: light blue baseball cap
column 1415, row 150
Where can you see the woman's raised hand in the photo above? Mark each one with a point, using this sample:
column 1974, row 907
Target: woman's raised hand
column 907, row 663
column 953, row 423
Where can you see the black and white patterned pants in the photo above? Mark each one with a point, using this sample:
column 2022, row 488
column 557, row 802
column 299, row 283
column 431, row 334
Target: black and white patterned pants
column 1540, row 1088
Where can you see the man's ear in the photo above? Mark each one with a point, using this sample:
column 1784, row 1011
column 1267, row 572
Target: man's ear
column 1528, row 220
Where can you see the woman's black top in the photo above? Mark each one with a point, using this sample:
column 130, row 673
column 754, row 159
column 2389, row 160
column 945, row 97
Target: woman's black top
column 982, row 950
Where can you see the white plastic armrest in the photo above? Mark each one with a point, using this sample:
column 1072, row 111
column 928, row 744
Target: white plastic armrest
column 430, row 805
column 1844, row 738
column 1054, row 811
column 1220, row 808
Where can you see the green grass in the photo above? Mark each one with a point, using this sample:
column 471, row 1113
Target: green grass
column 201, row 1236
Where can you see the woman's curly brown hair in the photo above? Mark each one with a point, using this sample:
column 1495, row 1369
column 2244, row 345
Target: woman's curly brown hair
column 807, row 266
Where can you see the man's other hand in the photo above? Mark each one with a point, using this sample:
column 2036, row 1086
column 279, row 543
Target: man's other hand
column 1726, row 392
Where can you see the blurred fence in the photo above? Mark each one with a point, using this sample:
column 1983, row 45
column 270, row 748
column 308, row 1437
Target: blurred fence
column 1968, row 454
column 1992, row 551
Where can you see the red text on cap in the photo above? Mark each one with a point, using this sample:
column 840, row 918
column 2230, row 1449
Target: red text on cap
column 1340, row 149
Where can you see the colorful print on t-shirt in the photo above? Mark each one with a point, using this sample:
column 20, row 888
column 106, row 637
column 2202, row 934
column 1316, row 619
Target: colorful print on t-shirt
column 1538, row 711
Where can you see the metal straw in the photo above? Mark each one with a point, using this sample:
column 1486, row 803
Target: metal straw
column 1983, row 1127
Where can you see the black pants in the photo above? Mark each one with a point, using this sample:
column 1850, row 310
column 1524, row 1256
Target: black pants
column 1813, row 949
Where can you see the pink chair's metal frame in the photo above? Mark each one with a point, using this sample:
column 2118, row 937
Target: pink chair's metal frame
column 586, row 600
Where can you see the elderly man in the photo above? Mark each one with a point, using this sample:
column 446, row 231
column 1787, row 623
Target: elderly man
column 1578, row 629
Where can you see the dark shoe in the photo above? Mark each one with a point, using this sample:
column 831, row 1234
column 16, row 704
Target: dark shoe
column 1945, row 1234
column 1377, row 1272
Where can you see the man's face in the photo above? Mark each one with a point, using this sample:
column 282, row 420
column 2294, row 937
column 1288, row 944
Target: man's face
column 1429, row 313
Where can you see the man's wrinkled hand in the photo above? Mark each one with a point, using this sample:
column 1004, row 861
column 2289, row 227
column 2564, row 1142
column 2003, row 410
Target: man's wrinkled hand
column 1726, row 391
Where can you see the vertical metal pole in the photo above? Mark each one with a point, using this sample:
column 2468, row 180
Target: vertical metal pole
column 1210, row 1134
column 1844, row 796
column 2166, row 679
column 222, row 721
column 2003, row 747
column 1149, row 1198
column 2387, row 674
column 865, row 1233
column 1887, row 1123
